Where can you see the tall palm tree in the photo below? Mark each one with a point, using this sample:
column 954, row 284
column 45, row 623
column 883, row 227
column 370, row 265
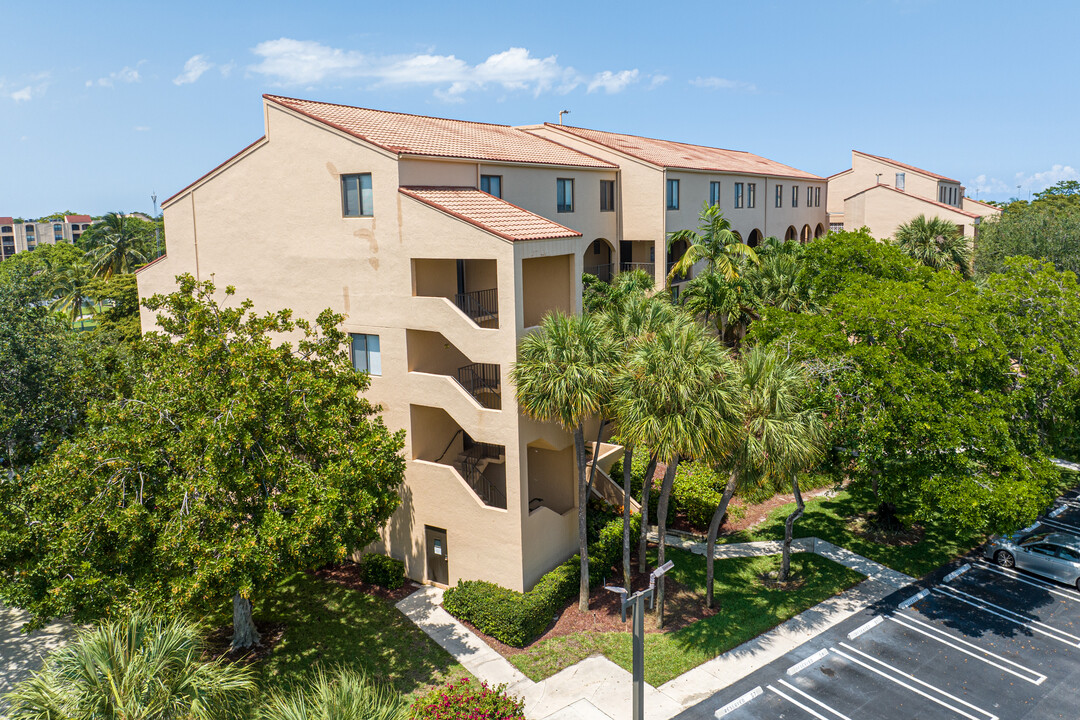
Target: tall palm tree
column 636, row 319
column 675, row 395
column 136, row 668
column 729, row 303
column 714, row 242
column 114, row 247
column 936, row 243
column 563, row 374
column 347, row 695
column 783, row 281
column 68, row 288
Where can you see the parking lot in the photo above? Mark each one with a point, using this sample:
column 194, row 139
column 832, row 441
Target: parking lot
column 970, row 641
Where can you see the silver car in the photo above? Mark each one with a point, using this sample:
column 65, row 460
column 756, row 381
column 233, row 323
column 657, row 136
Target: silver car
column 1054, row 555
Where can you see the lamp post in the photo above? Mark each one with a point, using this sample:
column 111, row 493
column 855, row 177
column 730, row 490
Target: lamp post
column 636, row 604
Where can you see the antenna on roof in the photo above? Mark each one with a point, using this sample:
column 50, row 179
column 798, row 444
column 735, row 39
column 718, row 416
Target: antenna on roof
column 877, row 178
column 561, row 113
column 157, row 239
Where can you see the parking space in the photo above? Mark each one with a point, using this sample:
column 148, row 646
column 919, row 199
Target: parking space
column 976, row 641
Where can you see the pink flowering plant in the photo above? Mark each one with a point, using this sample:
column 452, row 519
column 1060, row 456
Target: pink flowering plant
column 465, row 699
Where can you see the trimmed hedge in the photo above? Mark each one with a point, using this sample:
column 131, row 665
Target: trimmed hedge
column 519, row 618
column 383, row 571
column 697, row 491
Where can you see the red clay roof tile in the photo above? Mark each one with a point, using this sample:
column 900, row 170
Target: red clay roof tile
column 489, row 213
column 906, row 166
column 77, row 218
column 883, row 186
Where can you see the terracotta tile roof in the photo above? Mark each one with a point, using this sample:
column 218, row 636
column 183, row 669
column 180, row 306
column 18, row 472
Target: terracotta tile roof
column 912, row 168
column 990, row 208
column 77, row 218
column 489, row 213
column 7, row 221
column 890, row 188
column 440, row 137
column 671, row 154
column 156, row 260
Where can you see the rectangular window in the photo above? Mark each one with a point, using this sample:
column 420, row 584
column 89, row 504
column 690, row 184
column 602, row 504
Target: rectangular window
column 365, row 353
column 941, row 194
column 564, row 195
column 779, row 196
column 738, row 195
column 607, row 196
column 356, row 195
column 751, row 194
column 809, row 196
column 491, row 184
column 899, row 181
column 714, row 193
column 836, row 227
column 817, row 197
column 794, row 196
column 672, row 194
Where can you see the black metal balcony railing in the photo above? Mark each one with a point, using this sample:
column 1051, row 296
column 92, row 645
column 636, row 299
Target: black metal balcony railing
column 647, row 267
column 472, row 462
column 483, row 383
column 479, row 305
column 603, row 272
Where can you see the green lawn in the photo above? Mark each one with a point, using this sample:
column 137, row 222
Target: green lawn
column 747, row 609
column 331, row 625
column 828, row 518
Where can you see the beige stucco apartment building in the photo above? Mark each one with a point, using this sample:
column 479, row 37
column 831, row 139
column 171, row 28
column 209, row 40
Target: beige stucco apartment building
column 880, row 193
column 16, row 237
column 443, row 243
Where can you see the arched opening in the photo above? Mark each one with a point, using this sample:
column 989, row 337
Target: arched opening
column 755, row 238
column 599, row 260
column 805, row 237
column 819, row 231
column 791, row 234
column 675, row 251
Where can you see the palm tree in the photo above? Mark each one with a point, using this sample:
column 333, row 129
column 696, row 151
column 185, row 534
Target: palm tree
column 636, row 319
column 115, row 247
column 675, row 395
column 783, row 281
column 137, row 668
column 936, row 243
column 348, row 695
column 729, row 303
column 563, row 374
column 714, row 242
column 67, row 287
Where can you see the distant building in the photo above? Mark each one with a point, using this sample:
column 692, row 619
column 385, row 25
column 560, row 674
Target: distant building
column 880, row 193
column 16, row 237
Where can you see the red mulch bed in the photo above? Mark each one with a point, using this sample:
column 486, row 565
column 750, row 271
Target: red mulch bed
column 348, row 574
column 681, row 608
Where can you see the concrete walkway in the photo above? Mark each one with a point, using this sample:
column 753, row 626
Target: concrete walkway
column 21, row 654
column 598, row 689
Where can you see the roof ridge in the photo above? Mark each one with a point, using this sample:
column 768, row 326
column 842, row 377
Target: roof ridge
column 268, row 96
column 907, row 166
column 656, row 139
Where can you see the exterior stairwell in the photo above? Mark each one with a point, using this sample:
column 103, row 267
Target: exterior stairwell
column 471, row 464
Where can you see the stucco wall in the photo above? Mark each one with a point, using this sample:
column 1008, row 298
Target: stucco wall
column 882, row 210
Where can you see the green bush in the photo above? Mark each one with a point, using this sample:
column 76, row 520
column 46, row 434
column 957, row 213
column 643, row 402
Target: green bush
column 696, row 492
column 383, row 571
column 467, row 700
column 519, row 618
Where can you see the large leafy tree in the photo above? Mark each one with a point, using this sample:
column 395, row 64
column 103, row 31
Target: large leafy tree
column 563, row 374
column 936, row 243
column 69, row 288
column 1045, row 230
column 676, row 395
column 116, row 245
column 714, row 242
column 232, row 457
column 138, row 667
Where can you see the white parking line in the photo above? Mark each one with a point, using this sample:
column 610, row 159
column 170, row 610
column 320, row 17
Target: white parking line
column 979, row 653
column 989, row 715
column 1035, row 582
column 1058, row 525
column 814, row 700
column 1070, row 503
column 1004, row 613
column 796, row 703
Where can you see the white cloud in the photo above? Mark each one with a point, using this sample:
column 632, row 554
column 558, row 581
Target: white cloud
column 23, row 95
column 124, row 75
column 657, row 80
column 303, row 62
column 1039, row 181
column 611, row 82
column 1023, row 183
column 193, row 70
column 226, row 69
column 36, row 86
column 719, row 83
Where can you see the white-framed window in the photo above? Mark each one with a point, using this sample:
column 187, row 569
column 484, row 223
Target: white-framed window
column 672, row 194
column 607, row 196
column 817, row 197
column 899, row 181
column 751, row 194
column 794, row 196
column 836, row 227
column 714, row 193
column 738, row 195
column 356, row 197
column 564, row 195
column 366, row 356
column 491, row 184
column 779, row 196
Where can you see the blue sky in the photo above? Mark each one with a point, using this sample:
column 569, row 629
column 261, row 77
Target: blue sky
column 103, row 103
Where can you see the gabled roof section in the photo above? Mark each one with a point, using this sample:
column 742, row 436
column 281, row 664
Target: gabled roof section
column 440, row 137
column 671, row 154
column 77, row 218
column 489, row 213
column 912, row 168
column 890, row 188
column 7, row 221
column 187, row 187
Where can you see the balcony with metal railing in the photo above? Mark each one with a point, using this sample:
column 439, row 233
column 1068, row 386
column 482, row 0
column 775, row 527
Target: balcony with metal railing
column 437, row 440
column 470, row 285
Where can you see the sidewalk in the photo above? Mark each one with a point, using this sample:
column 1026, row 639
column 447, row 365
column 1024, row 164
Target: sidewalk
column 21, row 654
column 598, row 689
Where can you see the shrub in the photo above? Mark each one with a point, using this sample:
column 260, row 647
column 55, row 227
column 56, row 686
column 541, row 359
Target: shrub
column 383, row 571
column 463, row 699
column 519, row 618
column 345, row 694
column 696, row 492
